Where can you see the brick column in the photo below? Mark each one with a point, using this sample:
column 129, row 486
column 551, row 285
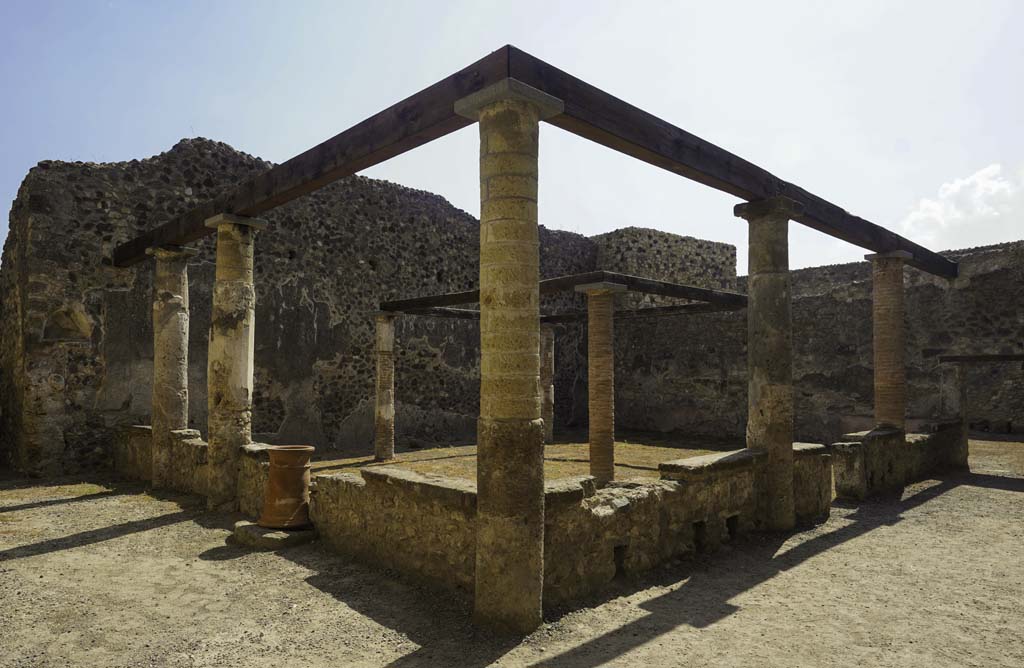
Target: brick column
column 547, row 381
column 510, row 433
column 601, row 377
column 384, row 408
column 888, row 338
column 770, row 352
column 229, row 372
column 170, row 354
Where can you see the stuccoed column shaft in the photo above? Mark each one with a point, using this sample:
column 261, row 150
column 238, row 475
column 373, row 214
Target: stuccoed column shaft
column 547, row 381
column 601, row 378
column 953, row 398
column 230, row 366
column 888, row 339
column 770, row 352
column 384, row 409
column 170, row 354
column 510, row 435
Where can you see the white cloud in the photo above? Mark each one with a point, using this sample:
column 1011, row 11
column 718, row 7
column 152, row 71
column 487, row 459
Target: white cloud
column 984, row 208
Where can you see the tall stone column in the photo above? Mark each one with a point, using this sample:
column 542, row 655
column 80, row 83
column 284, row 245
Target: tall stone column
column 384, row 408
column 888, row 338
column 510, row 433
column 601, row 377
column 230, row 365
column 953, row 405
column 170, row 354
column 547, row 381
column 770, row 351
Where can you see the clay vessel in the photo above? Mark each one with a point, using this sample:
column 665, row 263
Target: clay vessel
column 286, row 496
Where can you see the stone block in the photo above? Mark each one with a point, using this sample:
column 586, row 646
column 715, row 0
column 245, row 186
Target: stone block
column 706, row 466
column 253, row 472
column 252, row 535
column 133, row 452
column 812, row 483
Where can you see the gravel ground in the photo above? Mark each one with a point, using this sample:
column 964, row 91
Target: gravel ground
column 102, row 574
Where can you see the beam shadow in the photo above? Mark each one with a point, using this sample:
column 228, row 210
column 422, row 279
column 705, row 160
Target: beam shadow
column 704, row 598
column 57, row 502
column 93, row 536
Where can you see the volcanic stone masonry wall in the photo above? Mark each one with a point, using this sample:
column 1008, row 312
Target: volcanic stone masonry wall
column 76, row 358
column 689, row 373
column 76, row 347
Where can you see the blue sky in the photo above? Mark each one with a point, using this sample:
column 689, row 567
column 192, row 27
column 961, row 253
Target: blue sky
column 906, row 113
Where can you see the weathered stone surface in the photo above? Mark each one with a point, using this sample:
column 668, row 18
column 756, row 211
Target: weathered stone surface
column 510, row 454
column 770, row 352
column 252, row 535
column 253, row 472
column 76, row 362
column 424, row 526
column 384, row 406
column 812, row 483
column 170, row 354
column 688, row 373
column 133, row 452
column 704, row 466
column 888, row 341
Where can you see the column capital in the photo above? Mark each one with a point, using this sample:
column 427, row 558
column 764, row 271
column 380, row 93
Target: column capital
column 601, row 287
column 232, row 219
column 890, row 255
column 171, row 252
column 508, row 89
column 771, row 207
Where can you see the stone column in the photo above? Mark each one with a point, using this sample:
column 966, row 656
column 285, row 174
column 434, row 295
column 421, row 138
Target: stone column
column 888, row 338
column 770, row 351
column 510, row 433
column 601, row 377
column 953, row 406
column 170, row 355
column 229, row 372
column 384, row 408
column 547, row 381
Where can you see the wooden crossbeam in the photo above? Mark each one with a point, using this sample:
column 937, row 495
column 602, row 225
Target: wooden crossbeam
column 576, row 316
column 589, row 112
column 994, row 357
column 567, row 283
column 607, row 120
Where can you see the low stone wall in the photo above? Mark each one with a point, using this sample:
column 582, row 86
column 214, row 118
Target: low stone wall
column 424, row 525
column 253, row 471
column 813, row 486
column 884, row 461
column 393, row 518
column 133, row 452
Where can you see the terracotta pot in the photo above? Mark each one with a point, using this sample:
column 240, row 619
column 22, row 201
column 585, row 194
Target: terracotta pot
column 286, row 496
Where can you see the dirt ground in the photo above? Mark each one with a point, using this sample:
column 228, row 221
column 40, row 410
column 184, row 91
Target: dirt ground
column 636, row 458
column 101, row 574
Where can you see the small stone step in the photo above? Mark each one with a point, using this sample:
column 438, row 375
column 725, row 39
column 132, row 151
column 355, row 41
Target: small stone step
column 250, row 534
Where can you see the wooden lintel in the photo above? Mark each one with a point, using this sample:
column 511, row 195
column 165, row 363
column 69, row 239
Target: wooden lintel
column 994, row 357
column 588, row 112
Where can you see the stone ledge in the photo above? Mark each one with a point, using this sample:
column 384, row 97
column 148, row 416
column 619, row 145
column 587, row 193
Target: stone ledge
column 260, row 451
column 566, row 491
column 445, row 490
column 703, row 466
column 252, row 535
column 808, row 449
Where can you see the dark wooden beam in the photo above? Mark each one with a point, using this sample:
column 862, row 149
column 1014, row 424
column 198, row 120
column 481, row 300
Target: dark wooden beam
column 415, row 121
column 564, row 283
column 607, row 120
column 995, row 357
column 648, row 312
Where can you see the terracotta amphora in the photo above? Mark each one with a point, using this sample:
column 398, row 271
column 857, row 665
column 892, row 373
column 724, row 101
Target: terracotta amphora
column 286, row 496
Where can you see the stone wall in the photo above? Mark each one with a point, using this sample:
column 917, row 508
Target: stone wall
column 76, row 358
column 424, row 525
column 688, row 373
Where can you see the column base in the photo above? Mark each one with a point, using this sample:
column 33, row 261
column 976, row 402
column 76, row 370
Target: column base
column 510, row 525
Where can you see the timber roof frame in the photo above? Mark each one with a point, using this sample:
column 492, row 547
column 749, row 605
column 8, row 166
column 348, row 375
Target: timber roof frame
column 707, row 300
column 589, row 112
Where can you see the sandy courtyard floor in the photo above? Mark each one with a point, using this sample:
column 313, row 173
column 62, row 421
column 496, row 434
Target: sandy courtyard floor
column 101, row 574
